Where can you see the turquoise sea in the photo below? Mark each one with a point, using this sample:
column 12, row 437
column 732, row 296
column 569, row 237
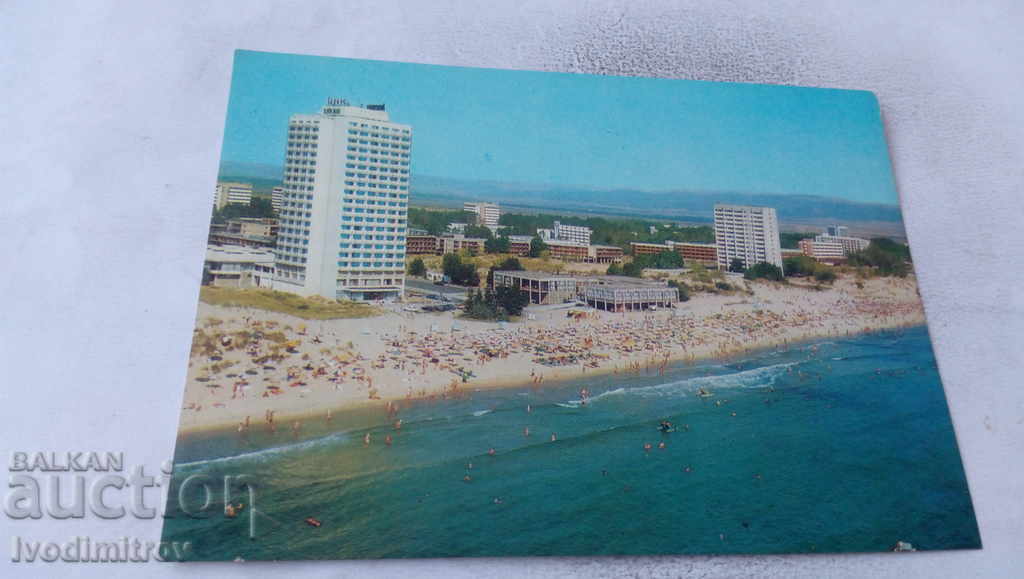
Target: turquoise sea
column 835, row 445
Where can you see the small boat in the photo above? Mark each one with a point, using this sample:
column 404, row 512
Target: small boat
column 312, row 522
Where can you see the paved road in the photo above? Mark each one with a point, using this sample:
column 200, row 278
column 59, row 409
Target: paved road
column 450, row 291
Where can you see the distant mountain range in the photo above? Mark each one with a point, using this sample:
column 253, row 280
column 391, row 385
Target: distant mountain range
column 682, row 205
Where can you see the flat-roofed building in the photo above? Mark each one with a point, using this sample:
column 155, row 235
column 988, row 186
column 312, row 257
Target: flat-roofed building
column 827, row 251
column 259, row 226
column 568, row 250
column 344, row 206
column 519, row 244
column 487, row 214
column 703, row 253
column 238, row 267
column 604, row 254
column 576, row 233
column 421, row 245
column 232, row 193
column 832, row 248
column 747, row 233
column 639, row 248
column 458, row 242
column 849, row 244
column 629, row 297
column 542, row 287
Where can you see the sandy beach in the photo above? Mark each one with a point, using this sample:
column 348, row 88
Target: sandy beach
column 257, row 369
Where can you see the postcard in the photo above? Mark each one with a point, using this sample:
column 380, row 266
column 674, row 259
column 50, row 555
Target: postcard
column 457, row 312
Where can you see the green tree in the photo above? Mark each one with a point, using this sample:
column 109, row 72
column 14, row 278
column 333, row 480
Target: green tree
column 511, row 299
column 417, row 268
column 885, row 255
column 764, row 270
column 825, row 275
column 800, row 266
column 537, row 246
column 479, row 231
column 257, row 207
column 497, row 244
column 614, row 269
column 792, row 240
column 684, row 290
column 459, row 272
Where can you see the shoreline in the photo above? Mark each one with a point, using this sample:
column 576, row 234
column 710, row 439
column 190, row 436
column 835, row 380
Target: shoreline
column 704, row 331
column 229, row 429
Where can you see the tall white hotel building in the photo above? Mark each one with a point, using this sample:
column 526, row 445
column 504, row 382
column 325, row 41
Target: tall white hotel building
column 748, row 233
column 344, row 206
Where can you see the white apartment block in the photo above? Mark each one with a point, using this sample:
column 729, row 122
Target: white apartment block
column 848, row 244
column 747, row 233
column 822, row 249
column 276, row 197
column 232, row 193
column 487, row 214
column 344, row 206
column 574, row 233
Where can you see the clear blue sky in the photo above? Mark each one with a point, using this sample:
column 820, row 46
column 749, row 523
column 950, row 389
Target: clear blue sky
column 585, row 130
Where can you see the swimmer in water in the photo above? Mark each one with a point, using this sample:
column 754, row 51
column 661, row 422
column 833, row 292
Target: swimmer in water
column 647, row 446
column 491, row 452
column 467, row 478
column 553, row 437
column 366, row 439
column 387, row 440
column 526, row 431
column 661, row 445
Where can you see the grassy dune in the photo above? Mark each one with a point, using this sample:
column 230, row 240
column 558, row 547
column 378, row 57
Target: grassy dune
column 311, row 308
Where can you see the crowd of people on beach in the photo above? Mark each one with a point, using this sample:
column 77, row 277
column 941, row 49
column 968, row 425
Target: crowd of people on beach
column 433, row 363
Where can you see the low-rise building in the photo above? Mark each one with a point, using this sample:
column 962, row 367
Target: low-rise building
column 703, row 253
column 442, row 244
column 604, row 254
column 604, row 292
column 639, row 248
column 421, row 245
column 629, row 297
column 568, row 250
column 238, row 267
column 832, row 248
column 245, row 232
column 542, row 287
column 519, row 245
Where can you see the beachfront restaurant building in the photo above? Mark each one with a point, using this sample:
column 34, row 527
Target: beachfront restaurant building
column 542, row 287
column 629, row 297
